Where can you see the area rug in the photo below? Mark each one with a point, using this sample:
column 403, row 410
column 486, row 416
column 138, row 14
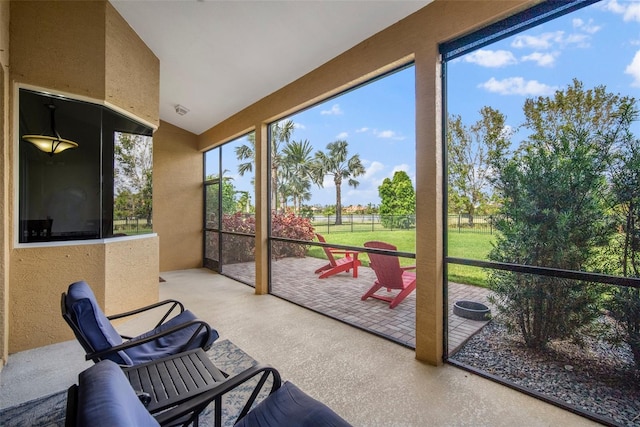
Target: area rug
column 49, row 411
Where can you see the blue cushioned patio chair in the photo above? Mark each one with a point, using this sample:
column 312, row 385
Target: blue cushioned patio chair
column 104, row 397
column 100, row 339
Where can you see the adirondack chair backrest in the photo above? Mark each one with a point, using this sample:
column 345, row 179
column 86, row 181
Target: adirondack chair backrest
column 327, row 250
column 386, row 267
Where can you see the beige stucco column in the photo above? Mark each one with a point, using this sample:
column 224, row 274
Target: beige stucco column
column 262, row 209
column 4, row 180
column 429, row 233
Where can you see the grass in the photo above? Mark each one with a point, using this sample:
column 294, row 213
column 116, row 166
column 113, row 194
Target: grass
column 461, row 245
column 472, row 246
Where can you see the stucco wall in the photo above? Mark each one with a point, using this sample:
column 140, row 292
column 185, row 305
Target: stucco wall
column 132, row 71
column 123, row 275
column 177, row 197
column 59, row 45
column 414, row 38
column 79, row 49
column 131, row 268
column 38, row 278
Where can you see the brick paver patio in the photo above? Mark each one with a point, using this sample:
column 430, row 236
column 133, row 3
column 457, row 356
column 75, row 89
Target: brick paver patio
column 338, row 296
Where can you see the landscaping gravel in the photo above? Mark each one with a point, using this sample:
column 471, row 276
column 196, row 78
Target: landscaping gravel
column 595, row 378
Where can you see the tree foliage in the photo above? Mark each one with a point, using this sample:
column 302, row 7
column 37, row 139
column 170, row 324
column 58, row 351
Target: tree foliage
column 133, row 171
column 336, row 163
column 398, row 201
column 471, row 150
column 296, row 170
column 554, row 211
column 280, row 134
column 624, row 302
column 229, row 199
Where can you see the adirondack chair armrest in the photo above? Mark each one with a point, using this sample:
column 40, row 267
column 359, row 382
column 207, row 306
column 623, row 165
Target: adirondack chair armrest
column 354, row 254
column 411, row 267
column 133, row 343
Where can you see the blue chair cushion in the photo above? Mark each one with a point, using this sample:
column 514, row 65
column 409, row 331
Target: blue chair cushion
column 170, row 344
column 106, row 399
column 290, row 406
column 94, row 325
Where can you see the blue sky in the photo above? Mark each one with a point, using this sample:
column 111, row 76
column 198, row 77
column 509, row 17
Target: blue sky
column 598, row 45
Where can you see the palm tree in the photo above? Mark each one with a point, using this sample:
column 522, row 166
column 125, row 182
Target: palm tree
column 280, row 132
column 296, row 170
column 335, row 162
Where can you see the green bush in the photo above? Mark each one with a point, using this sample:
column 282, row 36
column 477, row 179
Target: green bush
column 555, row 213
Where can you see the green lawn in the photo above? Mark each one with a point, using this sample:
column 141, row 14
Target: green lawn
column 461, row 245
column 472, row 246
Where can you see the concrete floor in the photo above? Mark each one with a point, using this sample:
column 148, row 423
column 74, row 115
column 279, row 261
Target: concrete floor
column 368, row 380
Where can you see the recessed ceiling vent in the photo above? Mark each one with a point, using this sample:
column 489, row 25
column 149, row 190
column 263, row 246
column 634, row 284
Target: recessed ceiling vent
column 181, row 109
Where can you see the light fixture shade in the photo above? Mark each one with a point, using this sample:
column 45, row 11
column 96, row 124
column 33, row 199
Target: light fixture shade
column 50, row 144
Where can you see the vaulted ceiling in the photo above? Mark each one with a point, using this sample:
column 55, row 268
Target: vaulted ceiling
column 217, row 57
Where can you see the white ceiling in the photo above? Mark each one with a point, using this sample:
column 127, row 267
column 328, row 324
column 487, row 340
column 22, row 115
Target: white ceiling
column 217, row 57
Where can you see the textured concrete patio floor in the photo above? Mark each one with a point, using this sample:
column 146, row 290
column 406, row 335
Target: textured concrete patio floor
column 367, row 380
column 338, row 296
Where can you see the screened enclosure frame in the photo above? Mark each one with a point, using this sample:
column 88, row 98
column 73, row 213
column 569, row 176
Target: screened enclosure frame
column 453, row 49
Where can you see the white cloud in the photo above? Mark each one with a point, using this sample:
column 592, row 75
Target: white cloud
column 342, row 135
column 546, row 41
column 517, row 86
column 388, row 134
column 580, row 40
column 587, row 27
column 543, row 41
column 372, row 169
column 542, row 59
column 299, row 126
column 491, row 58
column 630, row 10
column 633, row 70
column 385, row 134
column 362, row 129
column 333, row 111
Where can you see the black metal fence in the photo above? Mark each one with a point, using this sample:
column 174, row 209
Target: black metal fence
column 465, row 223
column 132, row 226
column 359, row 222
column 461, row 223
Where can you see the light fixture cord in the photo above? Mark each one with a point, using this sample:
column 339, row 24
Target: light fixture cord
column 56, row 143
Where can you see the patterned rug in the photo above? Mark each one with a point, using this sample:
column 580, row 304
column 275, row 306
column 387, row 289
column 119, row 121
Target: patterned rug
column 50, row 410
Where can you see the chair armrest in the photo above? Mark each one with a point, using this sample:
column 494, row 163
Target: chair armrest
column 343, row 252
column 174, row 304
column 197, row 404
column 411, row 267
column 132, row 343
column 71, row 417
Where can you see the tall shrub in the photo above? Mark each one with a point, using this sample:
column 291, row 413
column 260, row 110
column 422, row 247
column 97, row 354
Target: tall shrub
column 624, row 302
column 554, row 212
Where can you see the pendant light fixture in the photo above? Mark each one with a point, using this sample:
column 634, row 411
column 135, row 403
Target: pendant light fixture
column 53, row 144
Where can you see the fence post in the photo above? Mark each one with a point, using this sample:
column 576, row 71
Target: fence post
column 351, row 223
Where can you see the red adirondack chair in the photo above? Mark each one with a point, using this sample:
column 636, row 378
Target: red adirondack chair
column 389, row 275
column 338, row 265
